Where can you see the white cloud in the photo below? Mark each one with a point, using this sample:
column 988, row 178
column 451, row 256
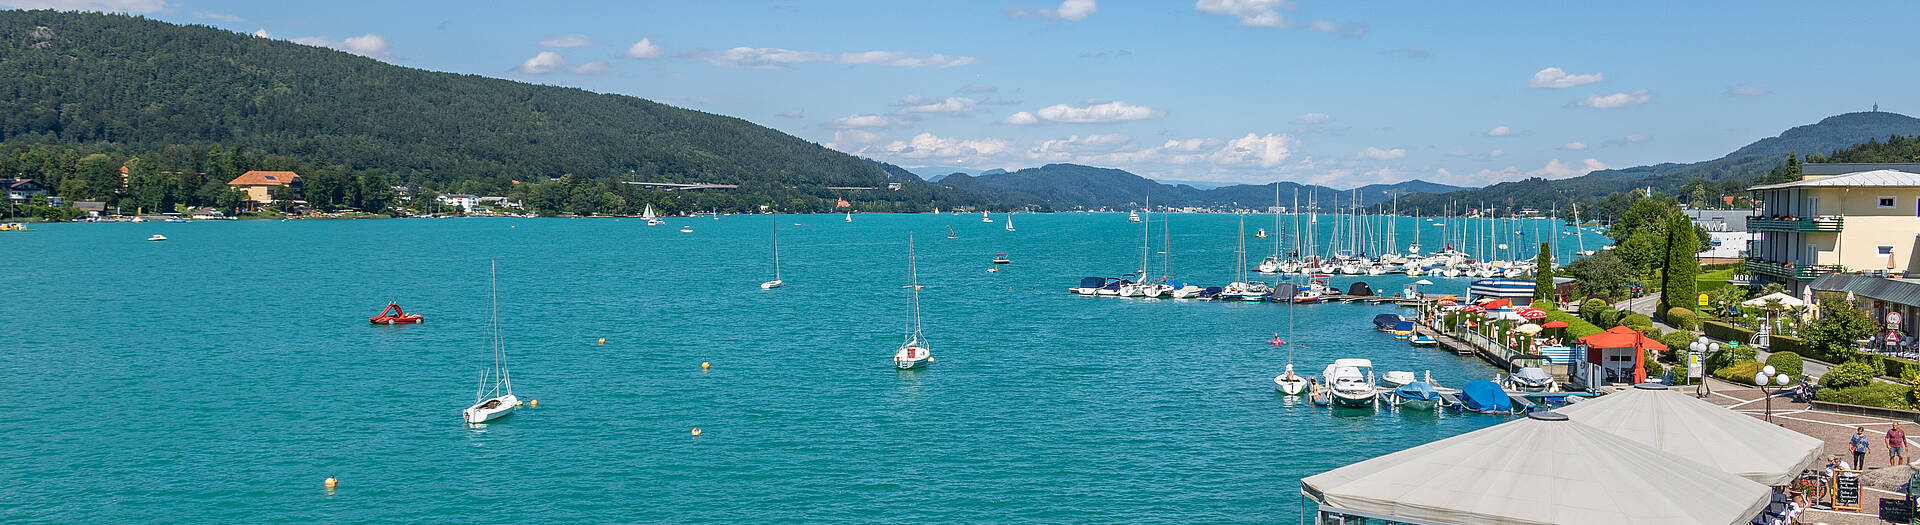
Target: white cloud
column 1618, row 100
column 776, row 58
column 1068, row 10
column 1312, row 119
column 1383, row 154
column 1560, row 170
column 926, row 145
column 1500, row 131
column 1078, row 147
column 1021, row 119
column 566, row 41
column 854, row 137
column 223, row 17
column 645, row 48
column 1099, row 112
column 1748, row 90
column 1554, row 78
column 368, row 45
column 1574, row 146
column 543, row 63
column 105, row 6
column 1265, row 151
column 1251, row 13
column 593, row 68
column 860, row 121
column 262, row 33
column 1414, row 52
column 949, row 105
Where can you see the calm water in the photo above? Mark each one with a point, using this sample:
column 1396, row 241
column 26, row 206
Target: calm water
column 223, row 374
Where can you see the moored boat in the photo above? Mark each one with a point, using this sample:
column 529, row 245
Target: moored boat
column 499, row 402
column 1531, row 379
column 1423, row 340
column 393, row 315
column 1350, row 383
column 914, row 352
column 1396, row 378
column 1417, row 395
column 1290, row 383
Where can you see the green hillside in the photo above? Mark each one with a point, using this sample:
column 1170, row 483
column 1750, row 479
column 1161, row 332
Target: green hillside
column 1073, row 186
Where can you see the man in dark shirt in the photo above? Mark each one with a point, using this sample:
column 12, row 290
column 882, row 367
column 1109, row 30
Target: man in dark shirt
column 1896, row 446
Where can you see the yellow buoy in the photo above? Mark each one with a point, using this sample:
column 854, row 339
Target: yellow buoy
column 705, row 365
column 535, row 402
column 332, row 482
column 603, row 340
column 696, row 431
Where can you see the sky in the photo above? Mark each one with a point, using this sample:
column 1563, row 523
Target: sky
column 1223, row 91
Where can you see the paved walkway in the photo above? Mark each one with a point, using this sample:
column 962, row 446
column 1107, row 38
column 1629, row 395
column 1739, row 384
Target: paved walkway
column 1645, row 305
column 1833, row 429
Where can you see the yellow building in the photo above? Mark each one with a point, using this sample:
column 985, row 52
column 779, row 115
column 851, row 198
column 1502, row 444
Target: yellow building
column 1838, row 218
column 259, row 185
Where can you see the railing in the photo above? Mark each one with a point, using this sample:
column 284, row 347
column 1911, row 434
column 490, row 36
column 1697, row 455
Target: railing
column 1825, row 224
column 1799, row 272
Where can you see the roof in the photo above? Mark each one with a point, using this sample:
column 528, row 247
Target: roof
column 1733, row 442
column 1538, row 471
column 1622, row 337
column 1785, row 300
column 264, row 178
column 1858, row 179
column 1841, row 168
column 1898, row 291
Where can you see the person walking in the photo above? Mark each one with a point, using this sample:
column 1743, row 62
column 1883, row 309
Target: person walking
column 1896, row 446
column 1860, row 445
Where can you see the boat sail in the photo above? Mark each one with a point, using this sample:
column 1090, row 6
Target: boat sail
column 1288, row 382
column 651, row 219
column 1009, row 221
column 499, row 402
column 776, row 282
column 849, row 216
column 985, row 218
column 914, row 353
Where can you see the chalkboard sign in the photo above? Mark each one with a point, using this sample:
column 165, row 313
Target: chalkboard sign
column 1846, row 490
column 1897, row 510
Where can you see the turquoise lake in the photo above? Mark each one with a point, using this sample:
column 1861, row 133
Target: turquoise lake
column 221, row 375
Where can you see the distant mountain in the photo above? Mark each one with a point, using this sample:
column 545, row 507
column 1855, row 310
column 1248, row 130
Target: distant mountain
column 1743, row 165
column 1071, row 186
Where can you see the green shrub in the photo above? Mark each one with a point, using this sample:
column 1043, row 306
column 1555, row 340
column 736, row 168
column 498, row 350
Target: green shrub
column 1739, row 372
column 1637, row 321
column 1652, row 333
column 1682, row 318
column 1894, row 366
column 1592, row 305
column 1654, row 369
column 1785, row 343
column 1744, row 353
column 1726, row 332
column 1788, row 363
column 1884, row 395
column 1677, row 343
column 1576, row 327
column 1849, row 374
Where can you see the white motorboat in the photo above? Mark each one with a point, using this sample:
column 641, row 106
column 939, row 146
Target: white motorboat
column 1531, row 379
column 1396, row 378
column 914, row 352
column 1186, row 292
column 157, row 237
column 776, row 282
column 1350, row 381
column 499, row 402
column 686, row 229
column 649, row 216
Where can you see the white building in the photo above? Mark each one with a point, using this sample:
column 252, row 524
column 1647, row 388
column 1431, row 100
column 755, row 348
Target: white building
column 464, row 201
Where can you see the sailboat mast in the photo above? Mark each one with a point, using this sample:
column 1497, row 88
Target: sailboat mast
column 1276, row 221
column 499, row 347
column 1146, row 228
column 776, row 248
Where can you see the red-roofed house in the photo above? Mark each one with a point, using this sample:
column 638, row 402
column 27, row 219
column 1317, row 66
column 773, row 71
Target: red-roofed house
column 259, row 185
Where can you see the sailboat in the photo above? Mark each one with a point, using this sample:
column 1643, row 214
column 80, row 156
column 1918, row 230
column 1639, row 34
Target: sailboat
column 849, row 216
column 1133, row 216
column 985, row 218
column 776, row 282
column 499, row 402
column 651, row 219
column 1271, row 264
column 1288, row 382
column 950, row 233
column 914, row 352
column 1009, row 222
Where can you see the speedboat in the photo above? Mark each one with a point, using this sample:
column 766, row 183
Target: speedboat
column 1112, row 287
column 1290, row 383
column 1417, row 395
column 1396, row 378
column 157, row 237
column 1089, row 285
column 686, row 229
column 1350, row 381
column 1186, row 291
column 393, row 315
column 1423, row 340
column 1386, row 322
column 1485, row 397
column 1531, row 379
column 1001, row 258
column 1402, row 329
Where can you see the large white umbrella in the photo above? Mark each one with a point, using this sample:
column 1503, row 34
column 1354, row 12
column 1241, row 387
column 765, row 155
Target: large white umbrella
column 1785, row 300
column 1736, row 443
column 1539, row 470
column 1423, row 282
column 1528, row 329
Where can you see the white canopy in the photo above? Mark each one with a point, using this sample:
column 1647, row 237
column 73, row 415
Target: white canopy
column 1539, row 470
column 1785, row 300
column 1735, row 443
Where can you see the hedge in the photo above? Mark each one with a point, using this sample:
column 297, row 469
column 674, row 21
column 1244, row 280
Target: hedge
column 1677, row 343
column 1637, row 321
column 1652, row 364
column 1784, row 343
column 1849, row 374
column 1682, row 318
column 1884, row 395
column 1576, row 327
column 1741, row 372
column 1788, row 363
column 1593, row 304
column 1726, row 332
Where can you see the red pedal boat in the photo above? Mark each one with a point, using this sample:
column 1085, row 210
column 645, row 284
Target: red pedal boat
column 393, row 315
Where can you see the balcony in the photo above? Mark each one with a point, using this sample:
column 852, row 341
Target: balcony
column 1797, row 272
column 1827, row 224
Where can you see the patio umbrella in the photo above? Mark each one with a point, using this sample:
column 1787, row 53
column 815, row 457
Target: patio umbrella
column 1555, row 324
column 1533, row 313
column 1528, row 329
column 1423, row 282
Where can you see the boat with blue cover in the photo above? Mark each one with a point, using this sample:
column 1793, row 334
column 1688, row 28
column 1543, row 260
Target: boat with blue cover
column 1485, row 397
column 1417, row 395
column 1386, row 322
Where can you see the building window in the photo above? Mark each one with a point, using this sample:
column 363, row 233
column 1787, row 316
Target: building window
column 1886, row 203
column 1884, row 249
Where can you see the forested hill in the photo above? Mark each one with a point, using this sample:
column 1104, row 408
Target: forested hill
column 1073, row 186
column 80, row 78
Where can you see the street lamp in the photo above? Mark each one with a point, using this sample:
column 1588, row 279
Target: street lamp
column 1766, row 376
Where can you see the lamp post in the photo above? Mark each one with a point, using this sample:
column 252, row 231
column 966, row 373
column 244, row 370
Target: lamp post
column 1766, row 376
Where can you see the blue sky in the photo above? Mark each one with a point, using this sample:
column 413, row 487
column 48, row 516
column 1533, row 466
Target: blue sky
column 1337, row 93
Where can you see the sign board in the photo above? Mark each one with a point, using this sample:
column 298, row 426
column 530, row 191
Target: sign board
column 1897, row 510
column 1693, row 365
column 1846, row 490
column 1893, row 318
column 1703, row 299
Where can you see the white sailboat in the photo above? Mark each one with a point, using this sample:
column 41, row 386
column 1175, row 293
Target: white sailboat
column 499, row 402
column 1271, row 264
column 651, row 219
column 1288, row 382
column 985, row 218
column 914, row 353
column 776, row 282
column 1009, row 221
column 1133, row 216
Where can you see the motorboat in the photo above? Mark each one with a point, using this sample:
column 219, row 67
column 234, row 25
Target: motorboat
column 1001, row 258
column 1386, row 322
column 1402, row 329
column 1350, row 382
column 157, row 237
column 1089, row 285
column 1112, row 287
column 1290, row 383
column 1396, row 378
column 393, row 315
column 914, row 352
column 1485, row 397
column 1531, row 379
column 1417, row 395
column 686, row 229
column 1423, row 340
column 1186, row 291
column 499, row 402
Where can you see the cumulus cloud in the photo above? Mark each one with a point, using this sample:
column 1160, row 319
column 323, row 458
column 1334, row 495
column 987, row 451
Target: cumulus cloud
column 645, row 48
column 223, row 17
column 105, row 6
column 1068, row 10
column 927, row 145
column 1555, row 78
column 1574, row 146
column 1617, row 100
column 949, row 105
column 1312, row 119
column 1560, row 170
column 847, row 138
column 262, row 33
column 776, row 58
column 1251, row 13
column 1500, row 131
column 543, row 63
column 368, row 45
column 1020, row 119
column 1373, row 153
column 596, row 67
column 1748, row 90
column 566, row 41
column 860, row 121
column 1090, row 114
column 1265, row 151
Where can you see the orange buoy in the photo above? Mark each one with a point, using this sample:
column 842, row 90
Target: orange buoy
column 603, row 340
column 705, row 365
column 332, row 482
column 535, row 402
column 696, row 431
